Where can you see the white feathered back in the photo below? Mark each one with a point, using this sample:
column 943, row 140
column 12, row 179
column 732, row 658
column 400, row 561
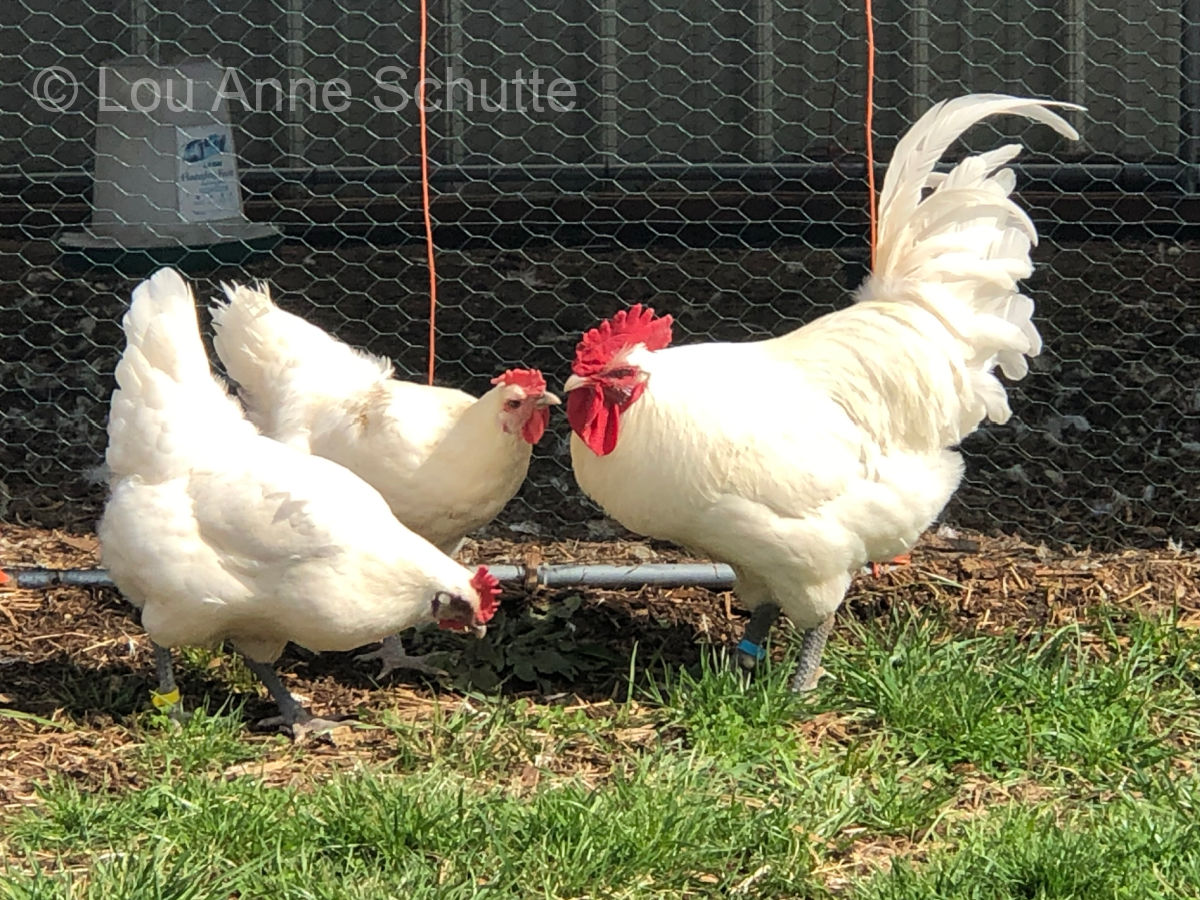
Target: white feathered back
column 283, row 365
column 168, row 406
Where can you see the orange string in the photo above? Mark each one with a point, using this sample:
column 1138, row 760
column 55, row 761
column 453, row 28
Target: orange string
column 424, row 128
column 870, row 124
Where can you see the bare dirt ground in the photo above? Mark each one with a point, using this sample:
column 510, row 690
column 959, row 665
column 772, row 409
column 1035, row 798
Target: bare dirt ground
column 1103, row 448
column 75, row 666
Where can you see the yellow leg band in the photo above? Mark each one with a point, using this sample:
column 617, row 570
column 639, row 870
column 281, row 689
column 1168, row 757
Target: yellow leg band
column 165, row 701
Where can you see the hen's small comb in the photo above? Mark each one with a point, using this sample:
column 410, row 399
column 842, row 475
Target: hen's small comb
column 636, row 325
column 4, row 579
column 487, row 586
column 529, row 379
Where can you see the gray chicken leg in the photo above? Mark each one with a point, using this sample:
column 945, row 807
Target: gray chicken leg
column 808, row 670
column 166, row 698
column 750, row 649
column 299, row 720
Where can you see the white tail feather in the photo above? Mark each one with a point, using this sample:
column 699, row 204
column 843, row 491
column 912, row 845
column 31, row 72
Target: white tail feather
column 956, row 245
column 168, row 405
column 283, row 364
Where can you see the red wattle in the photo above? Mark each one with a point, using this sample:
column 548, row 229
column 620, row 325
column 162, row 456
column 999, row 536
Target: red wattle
column 594, row 419
column 535, row 425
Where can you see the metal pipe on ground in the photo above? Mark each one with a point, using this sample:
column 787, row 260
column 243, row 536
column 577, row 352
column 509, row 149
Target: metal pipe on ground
column 707, row 575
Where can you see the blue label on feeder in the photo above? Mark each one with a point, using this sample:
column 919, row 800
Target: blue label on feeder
column 202, row 148
column 207, row 174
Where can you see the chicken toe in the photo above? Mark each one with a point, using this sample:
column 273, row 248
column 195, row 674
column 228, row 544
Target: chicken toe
column 299, row 721
column 304, row 728
column 392, row 655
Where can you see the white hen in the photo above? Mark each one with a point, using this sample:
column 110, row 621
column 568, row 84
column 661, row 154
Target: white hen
column 799, row 459
column 216, row 532
column 446, row 462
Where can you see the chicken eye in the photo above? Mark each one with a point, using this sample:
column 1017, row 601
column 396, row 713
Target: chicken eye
column 623, row 372
column 438, row 599
column 512, row 404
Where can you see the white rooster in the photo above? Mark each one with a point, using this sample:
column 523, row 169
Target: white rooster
column 216, row 532
column 445, row 462
column 799, row 459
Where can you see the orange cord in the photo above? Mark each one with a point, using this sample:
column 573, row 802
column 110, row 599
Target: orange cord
column 870, row 123
column 424, row 125
column 425, row 189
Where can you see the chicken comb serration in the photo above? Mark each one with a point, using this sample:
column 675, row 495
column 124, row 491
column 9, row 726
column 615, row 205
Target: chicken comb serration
column 636, row 325
column 487, row 586
column 529, row 379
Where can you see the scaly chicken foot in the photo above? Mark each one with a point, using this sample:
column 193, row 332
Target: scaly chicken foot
column 299, row 720
column 391, row 653
column 750, row 649
column 809, row 670
column 166, row 698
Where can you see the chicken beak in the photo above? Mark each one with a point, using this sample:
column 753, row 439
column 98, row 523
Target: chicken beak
column 479, row 630
column 547, row 399
column 575, row 381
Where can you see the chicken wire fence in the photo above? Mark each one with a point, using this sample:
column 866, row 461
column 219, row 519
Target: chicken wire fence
column 701, row 156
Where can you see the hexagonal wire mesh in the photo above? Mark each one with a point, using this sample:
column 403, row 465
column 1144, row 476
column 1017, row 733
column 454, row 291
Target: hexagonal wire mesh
column 703, row 156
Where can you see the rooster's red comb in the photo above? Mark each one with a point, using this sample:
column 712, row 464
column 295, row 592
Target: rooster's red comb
column 487, row 586
column 529, row 379
column 637, row 325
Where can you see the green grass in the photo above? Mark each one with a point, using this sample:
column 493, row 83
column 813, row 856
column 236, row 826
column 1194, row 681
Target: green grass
column 1058, row 766
column 1047, row 707
column 1126, row 847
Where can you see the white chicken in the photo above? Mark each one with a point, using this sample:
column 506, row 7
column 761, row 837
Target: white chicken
column 216, row 532
column 446, row 462
column 799, row 459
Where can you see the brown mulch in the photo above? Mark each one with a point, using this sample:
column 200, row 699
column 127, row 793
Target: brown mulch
column 75, row 666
